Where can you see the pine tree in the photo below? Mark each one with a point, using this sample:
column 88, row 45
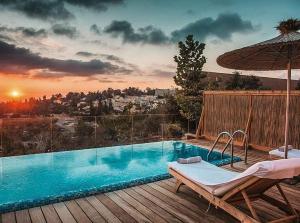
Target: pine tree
column 190, row 61
column 189, row 77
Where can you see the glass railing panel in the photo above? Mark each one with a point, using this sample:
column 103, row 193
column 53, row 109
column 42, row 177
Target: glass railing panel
column 113, row 130
column 58, row 133
column 148, row 128
column 73, row 133
column 175, row 127
column 21, row 136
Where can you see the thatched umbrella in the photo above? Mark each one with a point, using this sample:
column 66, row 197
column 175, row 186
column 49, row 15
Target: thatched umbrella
column 279, row 53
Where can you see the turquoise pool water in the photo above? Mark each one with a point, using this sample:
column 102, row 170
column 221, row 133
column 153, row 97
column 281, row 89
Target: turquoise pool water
column 43, row 178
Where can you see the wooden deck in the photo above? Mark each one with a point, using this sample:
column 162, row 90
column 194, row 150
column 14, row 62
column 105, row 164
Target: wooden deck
column 153, row 202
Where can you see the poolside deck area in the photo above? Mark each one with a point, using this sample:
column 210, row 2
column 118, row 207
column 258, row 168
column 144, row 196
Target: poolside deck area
column 153, row 202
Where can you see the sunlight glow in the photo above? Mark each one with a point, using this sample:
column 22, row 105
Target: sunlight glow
column 15, row 93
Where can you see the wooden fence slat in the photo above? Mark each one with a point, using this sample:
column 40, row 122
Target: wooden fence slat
column 264, row 119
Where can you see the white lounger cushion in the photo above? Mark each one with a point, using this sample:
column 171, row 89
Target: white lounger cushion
column 293, row 153
column 218, row 181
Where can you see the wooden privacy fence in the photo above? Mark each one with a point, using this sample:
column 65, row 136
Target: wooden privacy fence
column 260, row 113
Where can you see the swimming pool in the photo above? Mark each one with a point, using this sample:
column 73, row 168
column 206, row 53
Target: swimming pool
column 39, row 179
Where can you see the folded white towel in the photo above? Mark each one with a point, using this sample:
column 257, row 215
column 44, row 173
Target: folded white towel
column 282, row 148
column 195, row 159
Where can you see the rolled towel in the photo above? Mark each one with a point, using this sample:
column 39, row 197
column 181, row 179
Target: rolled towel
column 195, row 159
column 282, row 148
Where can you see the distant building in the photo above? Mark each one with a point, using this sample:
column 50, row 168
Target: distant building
column 163, row 92
column 269, row 82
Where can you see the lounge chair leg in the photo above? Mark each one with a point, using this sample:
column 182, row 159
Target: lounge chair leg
column 208, row 208
column 177, row 185
column 248, row 202
column 286, row 200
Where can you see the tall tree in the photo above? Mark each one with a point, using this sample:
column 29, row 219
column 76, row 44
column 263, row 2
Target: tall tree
column 190, row 61
column 189, row 77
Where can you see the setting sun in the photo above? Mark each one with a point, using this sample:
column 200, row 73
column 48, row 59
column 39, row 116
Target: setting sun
column 15, row 93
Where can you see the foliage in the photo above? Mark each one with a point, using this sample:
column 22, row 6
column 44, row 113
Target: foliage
column 289, row 25
column 132, row 91
column 239, row 82
column 190, row 106
column 190, row 61
column 189, row 77
column 174, row 130
column 213, row 85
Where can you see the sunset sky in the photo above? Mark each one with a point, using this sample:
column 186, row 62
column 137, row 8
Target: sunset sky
column 57, row 46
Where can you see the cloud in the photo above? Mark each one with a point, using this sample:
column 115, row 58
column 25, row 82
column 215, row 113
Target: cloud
column 55, row 9
column 40, row 9
column 222, row 27
column 98, row 5
column 6, row 38
column 148, row 34
column 95, row 29
column 14, row 60
column 27, row 32
column 31, row 32
column 111, row 58
column 162, row 73
column 86, row 54
column 65, row 30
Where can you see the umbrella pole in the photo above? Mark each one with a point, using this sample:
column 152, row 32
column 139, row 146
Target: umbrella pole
column 288, row 88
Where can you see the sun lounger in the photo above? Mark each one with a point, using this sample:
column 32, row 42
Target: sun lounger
column 225, row 189
column 293, row 153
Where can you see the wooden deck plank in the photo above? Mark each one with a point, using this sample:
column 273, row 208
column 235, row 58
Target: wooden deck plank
column 103, row 210
column 164, row 205
column 63, row 213
column 8, row 217
column 77, row 212
column 90, row 211
column 185, row 203
column 23, row 216
column 127, row 207
column 152, row 206
column 37, row 215
column 193, row 197
column 122, row 215
column 181, row 208
column 152, row 216
column 50, row 214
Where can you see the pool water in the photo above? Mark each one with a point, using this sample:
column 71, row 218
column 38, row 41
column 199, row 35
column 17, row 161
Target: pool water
column 39, row 179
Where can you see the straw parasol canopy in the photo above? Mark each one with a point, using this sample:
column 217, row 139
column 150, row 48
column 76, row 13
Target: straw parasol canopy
column 279, row 53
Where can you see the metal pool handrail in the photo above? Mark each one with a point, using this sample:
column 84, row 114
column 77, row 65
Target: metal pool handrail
column 217, row 140
column 245, row 145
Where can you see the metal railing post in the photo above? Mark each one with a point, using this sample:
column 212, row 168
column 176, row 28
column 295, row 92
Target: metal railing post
column 95, row 131
column 51, row 134
column 245, row 144
column 131, row 129
column 1, row 129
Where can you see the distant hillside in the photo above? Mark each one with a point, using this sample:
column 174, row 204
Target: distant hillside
column 273, row 83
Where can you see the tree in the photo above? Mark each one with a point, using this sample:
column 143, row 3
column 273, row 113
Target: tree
column 239, row 82
column 189, row 77
column 234, row 82
column 251, row 83
column 190, row 61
